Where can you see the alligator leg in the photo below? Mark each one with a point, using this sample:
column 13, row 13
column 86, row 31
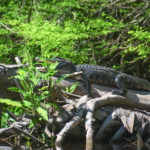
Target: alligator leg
column 86, row 84
column 119, row 80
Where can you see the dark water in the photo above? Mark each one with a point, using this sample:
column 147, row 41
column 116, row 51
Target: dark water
column 76, row 146
column 80, row 146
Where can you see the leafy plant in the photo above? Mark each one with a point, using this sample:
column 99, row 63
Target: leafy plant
column 29, row 78
column 72, row 88
column 92, row 31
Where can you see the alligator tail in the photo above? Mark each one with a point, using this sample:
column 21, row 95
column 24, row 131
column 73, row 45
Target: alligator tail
column 137, row 83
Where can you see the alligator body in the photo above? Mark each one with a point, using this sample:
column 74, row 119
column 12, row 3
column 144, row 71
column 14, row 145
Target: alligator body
column 110, row 77
column 102, row 76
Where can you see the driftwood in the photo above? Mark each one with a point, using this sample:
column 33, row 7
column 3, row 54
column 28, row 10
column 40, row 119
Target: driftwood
column 85, row 106
column 134, row 100
column 131, row 120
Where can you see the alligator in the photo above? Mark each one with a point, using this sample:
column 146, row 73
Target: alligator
column 101, row 75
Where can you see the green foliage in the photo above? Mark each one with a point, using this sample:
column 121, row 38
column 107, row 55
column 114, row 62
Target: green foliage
column 43, row 112
column 29, row 78
column 72, row 88
column 143, row 38
column 92, row 31
column 10, row 102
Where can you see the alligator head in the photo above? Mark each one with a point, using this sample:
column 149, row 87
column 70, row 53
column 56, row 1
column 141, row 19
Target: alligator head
column 63, row 67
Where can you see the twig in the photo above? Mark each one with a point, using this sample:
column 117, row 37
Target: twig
column 2, row 130
column 12, row 115
column 23, row 2
column 30, row 11
column 18, row 61
column 6, row 141
column 71, row 94
column 27, row 134
column 10, row 66
column 20, row 131
column 7, row 28
column 35, row 6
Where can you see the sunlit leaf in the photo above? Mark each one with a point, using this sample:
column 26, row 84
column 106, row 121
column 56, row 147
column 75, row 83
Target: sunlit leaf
column 43, row 88
column 11, row 102
column 15, row 89
column 27, row 104
column 73, row 87
column 42, row 112
column 62, row 78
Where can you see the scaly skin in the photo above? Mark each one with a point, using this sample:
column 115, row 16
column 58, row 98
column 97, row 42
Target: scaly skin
column 107, row 76
column 102, row 76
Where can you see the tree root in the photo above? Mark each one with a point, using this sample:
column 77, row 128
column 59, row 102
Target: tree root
column 89, row 108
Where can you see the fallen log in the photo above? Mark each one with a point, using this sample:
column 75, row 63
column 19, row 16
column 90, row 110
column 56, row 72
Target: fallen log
column 99, row 90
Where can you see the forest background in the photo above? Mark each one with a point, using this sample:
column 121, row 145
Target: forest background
column 112, row 33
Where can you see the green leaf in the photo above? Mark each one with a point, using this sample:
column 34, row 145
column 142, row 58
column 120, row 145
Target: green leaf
column 22, row 73
column 43, row 88
column 53, row 66
column 42, row 112
column 15, row 89
column 35, row 80
column 4, row 120
column 62, row 78
column 33, row 122
column 27, row 104
column 11, row 102
column 23, row 85
column 73, row 87
column 19, row 77
column 44, row 95
column 67, row 89
column 53, row 105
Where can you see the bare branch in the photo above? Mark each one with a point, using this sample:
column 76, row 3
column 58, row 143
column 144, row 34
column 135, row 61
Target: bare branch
column 6, row 27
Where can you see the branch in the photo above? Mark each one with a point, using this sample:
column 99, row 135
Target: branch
column 30, row 11
column 75, row 121
column 7, row 28
column 108, row 99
